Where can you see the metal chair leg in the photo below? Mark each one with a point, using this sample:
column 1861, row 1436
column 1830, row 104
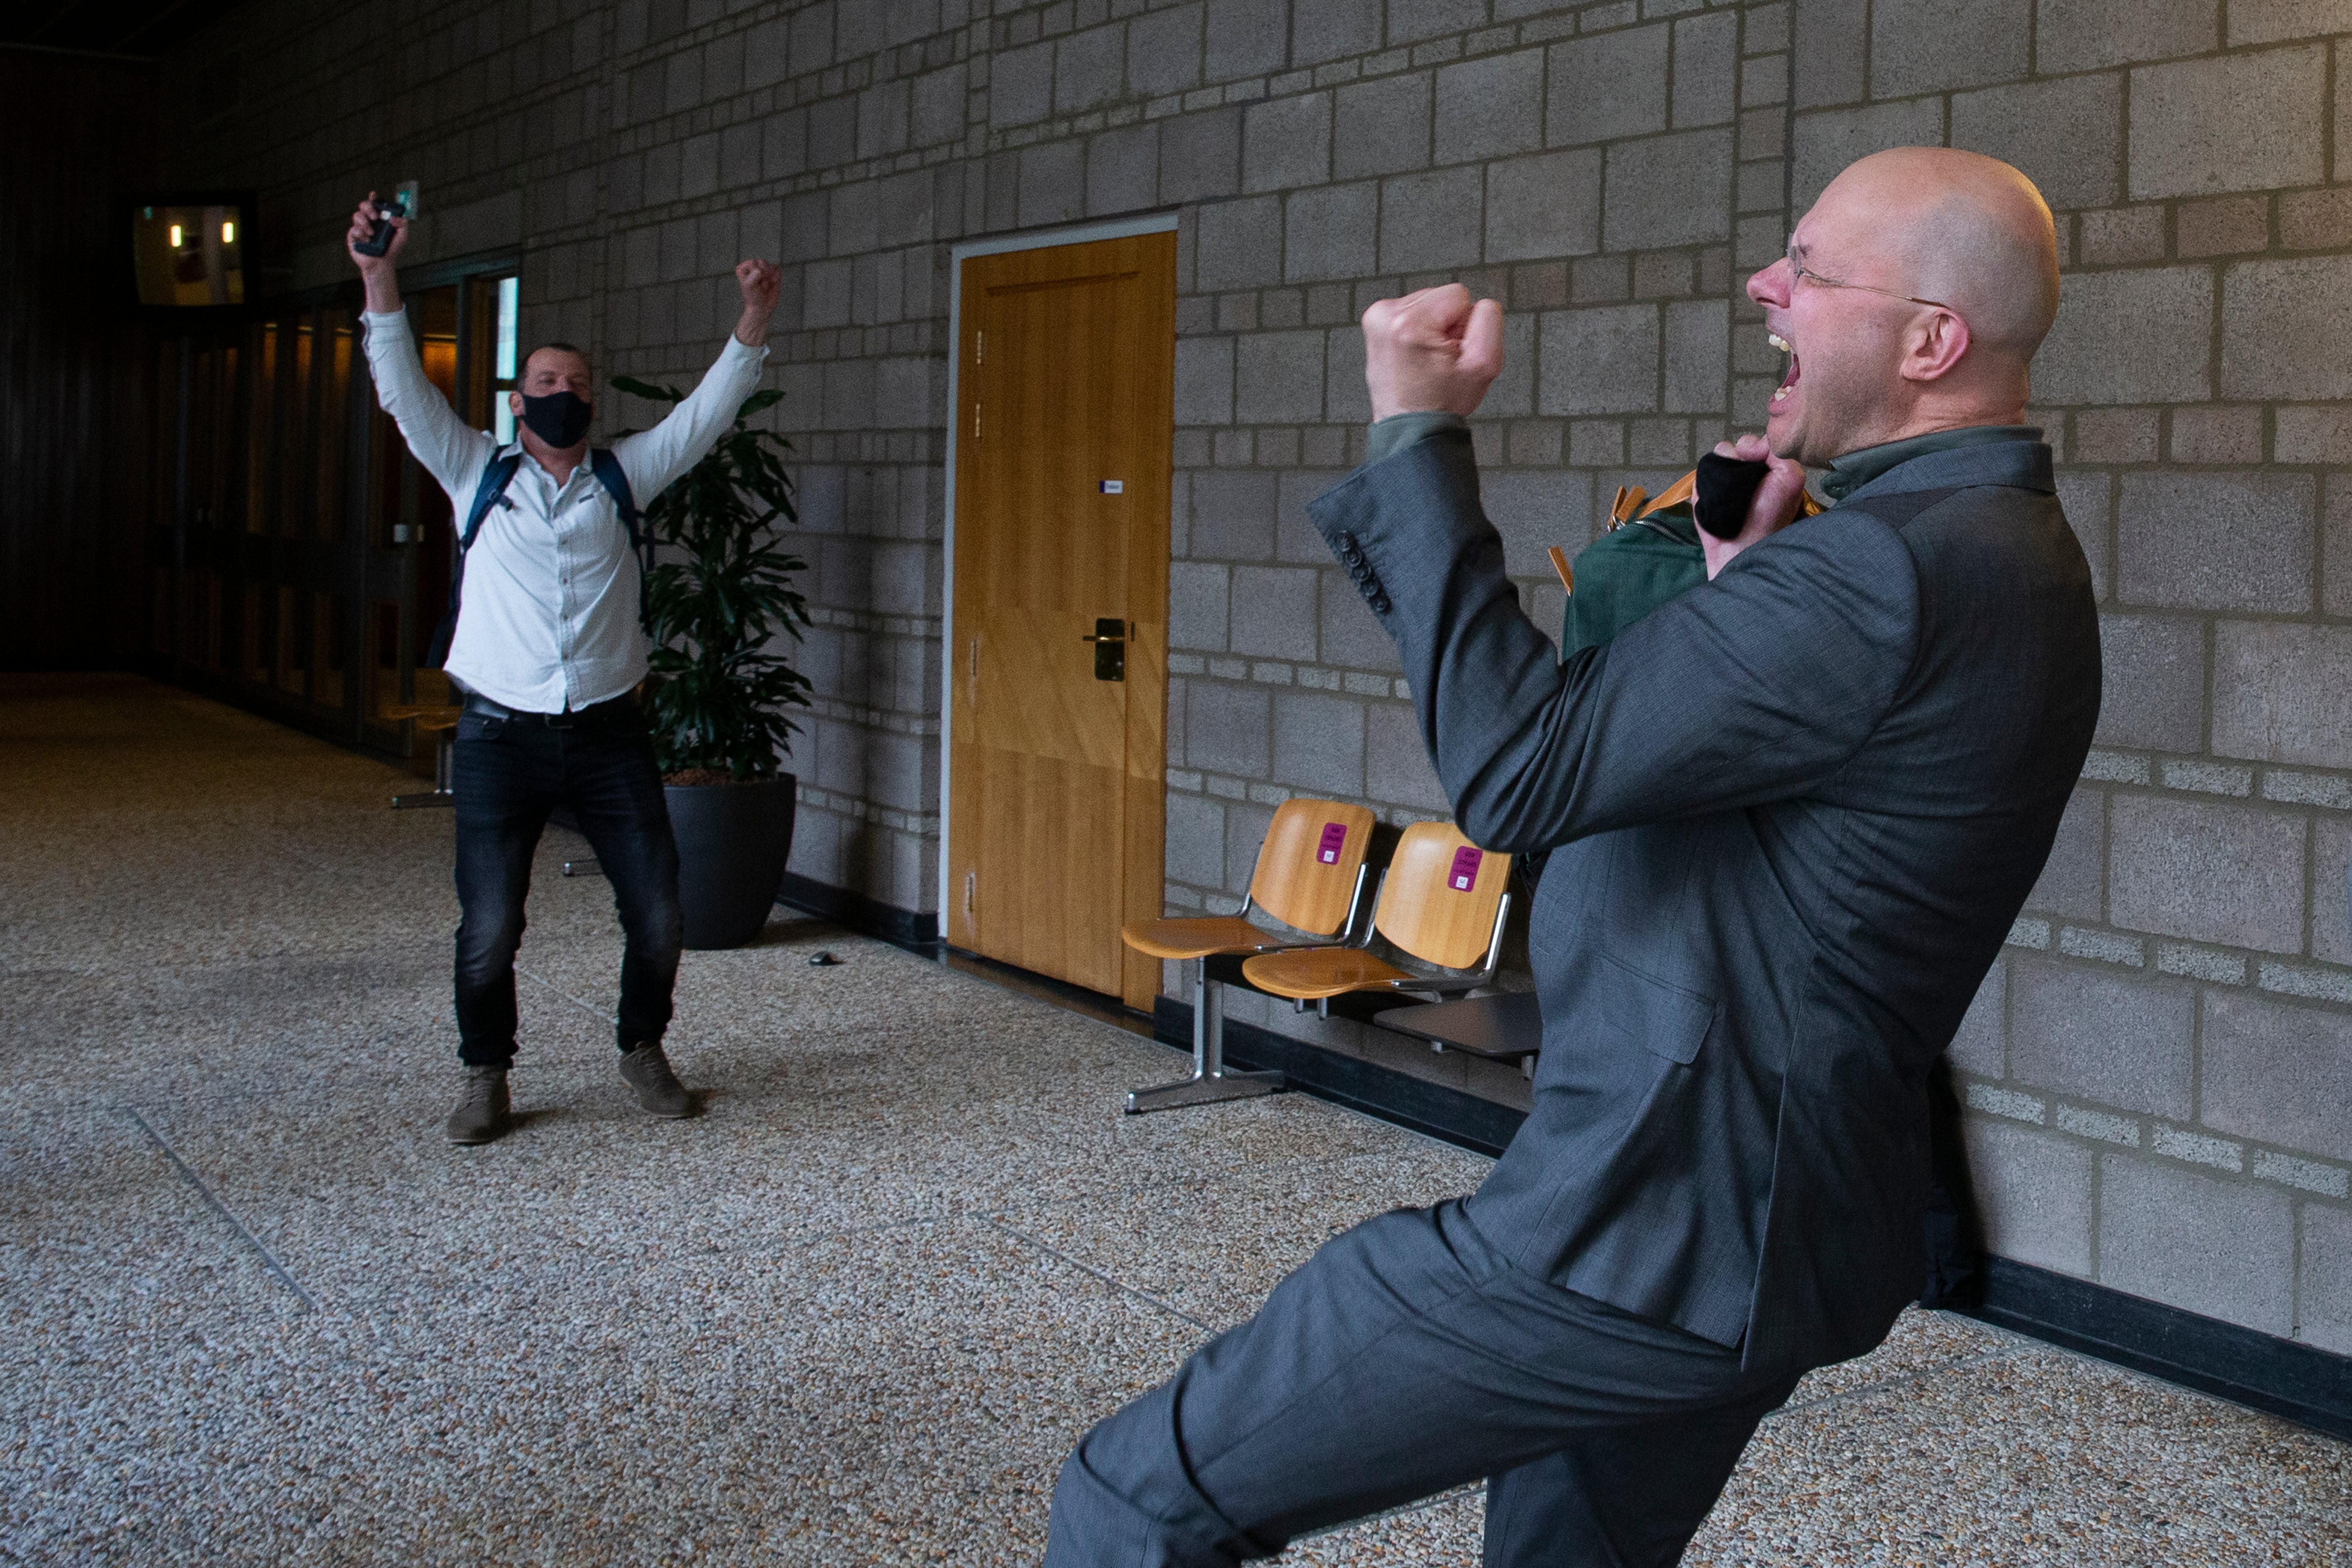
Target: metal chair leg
column 1210, row 1082
column 444, row 769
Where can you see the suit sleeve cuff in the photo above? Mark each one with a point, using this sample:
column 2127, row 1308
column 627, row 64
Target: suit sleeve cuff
column 1398, row 431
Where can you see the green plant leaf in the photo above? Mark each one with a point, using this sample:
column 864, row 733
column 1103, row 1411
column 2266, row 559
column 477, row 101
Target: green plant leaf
column 630, row 383
column 722, row 608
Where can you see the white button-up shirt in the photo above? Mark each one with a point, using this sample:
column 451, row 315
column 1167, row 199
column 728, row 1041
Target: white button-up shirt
column 550, row 620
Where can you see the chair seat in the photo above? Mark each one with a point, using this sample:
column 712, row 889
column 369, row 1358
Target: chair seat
column 1197, row 937
column 1311, row 974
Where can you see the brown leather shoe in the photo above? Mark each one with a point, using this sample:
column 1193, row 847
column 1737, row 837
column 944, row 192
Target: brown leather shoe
column 482, row 1113
column 646, row 1070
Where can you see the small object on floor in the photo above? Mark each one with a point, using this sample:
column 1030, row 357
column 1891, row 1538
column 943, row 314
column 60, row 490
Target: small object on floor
column 586, row 866
column 823, row 961
column 483, row 1110
column 646, row 1070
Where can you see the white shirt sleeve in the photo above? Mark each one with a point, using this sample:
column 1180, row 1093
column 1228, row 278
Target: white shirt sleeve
column 436, row 438
column 653, row 457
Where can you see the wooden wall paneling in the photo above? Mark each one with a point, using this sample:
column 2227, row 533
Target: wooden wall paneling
column 74, row 372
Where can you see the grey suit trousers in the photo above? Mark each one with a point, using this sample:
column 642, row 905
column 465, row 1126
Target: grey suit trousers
column 1407, row 1357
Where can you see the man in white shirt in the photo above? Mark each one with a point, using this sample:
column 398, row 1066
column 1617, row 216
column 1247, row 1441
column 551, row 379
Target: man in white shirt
column 548, row 651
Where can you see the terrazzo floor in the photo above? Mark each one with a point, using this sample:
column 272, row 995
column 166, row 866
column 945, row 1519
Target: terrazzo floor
column 253, row 1310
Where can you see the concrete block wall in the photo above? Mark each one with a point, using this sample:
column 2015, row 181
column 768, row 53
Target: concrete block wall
column 2159, row 1068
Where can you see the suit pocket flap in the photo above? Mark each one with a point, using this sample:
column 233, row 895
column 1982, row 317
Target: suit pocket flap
column 1662, row 1018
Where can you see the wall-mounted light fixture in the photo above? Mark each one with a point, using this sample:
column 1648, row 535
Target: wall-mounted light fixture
column 188, row 247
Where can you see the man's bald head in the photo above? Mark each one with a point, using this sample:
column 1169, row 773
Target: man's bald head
column 1917, row 289
column 1964, row 228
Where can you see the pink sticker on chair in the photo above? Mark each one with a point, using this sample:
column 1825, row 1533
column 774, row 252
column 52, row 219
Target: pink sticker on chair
column 1465, row 875
column 1335, row 838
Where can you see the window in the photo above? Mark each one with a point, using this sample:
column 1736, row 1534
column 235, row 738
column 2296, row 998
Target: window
column 503, row 369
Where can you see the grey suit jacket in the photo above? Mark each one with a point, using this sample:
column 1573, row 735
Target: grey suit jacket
column 1794, row 813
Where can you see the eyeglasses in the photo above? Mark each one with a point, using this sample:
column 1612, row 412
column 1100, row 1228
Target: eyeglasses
column 1800, row 270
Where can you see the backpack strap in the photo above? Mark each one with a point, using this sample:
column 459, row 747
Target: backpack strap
column 487, row 494
column 606, row 466
column 492, row 489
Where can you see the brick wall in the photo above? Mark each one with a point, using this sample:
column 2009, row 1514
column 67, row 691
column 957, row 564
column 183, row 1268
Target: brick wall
column 2159, row 1072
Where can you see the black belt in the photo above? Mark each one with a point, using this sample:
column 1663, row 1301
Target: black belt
column 612, row 711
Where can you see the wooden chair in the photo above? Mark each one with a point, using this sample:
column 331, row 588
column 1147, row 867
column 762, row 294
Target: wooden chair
column 1438, row 928
column 1309, row 880
column 445, row 722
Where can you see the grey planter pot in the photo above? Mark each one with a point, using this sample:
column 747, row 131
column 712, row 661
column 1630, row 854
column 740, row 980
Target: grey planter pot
column 732, row 843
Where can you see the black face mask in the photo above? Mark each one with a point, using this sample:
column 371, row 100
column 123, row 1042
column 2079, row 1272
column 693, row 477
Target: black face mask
column 559, row 419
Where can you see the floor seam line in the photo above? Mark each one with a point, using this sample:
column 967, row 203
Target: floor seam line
column 1112, row 1280
column 589, row 1007
column 268, row 1258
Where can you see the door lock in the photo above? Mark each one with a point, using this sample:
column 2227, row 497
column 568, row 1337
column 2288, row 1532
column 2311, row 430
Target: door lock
column 1111, row 648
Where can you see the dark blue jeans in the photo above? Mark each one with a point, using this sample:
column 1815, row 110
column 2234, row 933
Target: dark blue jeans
column 509, row 775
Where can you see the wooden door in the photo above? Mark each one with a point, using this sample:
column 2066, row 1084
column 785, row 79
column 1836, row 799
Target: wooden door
column 1055, row 770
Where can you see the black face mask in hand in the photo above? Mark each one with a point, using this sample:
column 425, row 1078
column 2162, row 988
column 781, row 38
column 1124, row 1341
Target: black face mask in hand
column 559, row 419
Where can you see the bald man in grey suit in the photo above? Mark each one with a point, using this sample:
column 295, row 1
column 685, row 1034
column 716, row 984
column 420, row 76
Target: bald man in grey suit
column 1792, row 814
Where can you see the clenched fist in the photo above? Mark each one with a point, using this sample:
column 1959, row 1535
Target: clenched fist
column 1433, row 351
column 1770, row 510
column 762, row 282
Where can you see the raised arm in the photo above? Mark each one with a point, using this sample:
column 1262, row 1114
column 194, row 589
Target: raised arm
column 652, row 458
column 449, row 451
column 1753, row 688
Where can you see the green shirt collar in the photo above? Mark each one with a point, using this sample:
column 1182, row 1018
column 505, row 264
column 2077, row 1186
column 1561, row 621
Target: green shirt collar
column 1849, row 473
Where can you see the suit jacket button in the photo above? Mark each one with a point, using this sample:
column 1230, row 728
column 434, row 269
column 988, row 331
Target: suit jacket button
column 1380, row 603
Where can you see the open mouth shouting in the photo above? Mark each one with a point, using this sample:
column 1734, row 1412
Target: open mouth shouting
column 1789, row 381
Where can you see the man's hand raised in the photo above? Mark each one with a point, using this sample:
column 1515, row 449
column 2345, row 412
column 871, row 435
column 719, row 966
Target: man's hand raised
column 1772, row 508
column 762, row 282
column 380, row 274
column 1433, row 351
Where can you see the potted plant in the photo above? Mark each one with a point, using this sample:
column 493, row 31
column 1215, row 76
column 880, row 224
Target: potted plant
column 717, row 695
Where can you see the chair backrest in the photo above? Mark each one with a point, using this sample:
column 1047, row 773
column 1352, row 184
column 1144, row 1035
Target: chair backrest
column 1440, row 897
column 1306, row 875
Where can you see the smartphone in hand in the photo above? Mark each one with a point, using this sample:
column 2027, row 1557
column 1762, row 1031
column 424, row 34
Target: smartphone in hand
column 380, row 233
column 1726, row 487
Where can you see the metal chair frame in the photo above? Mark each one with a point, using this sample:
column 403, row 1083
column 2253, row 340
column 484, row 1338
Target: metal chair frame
column 1211, row 1080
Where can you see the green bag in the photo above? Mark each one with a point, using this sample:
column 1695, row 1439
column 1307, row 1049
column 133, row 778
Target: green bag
column 1630, row 571
column 1650, row 553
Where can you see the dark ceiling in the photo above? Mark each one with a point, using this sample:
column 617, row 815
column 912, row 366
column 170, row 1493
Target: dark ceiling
column 141, row 27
